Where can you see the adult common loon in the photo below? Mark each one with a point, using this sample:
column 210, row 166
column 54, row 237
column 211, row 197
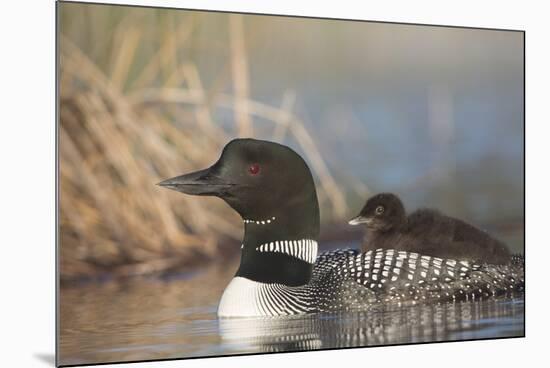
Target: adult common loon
column 425, row 231
column 272, row 189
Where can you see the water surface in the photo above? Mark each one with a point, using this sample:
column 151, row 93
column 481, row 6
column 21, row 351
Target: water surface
column 175, row 317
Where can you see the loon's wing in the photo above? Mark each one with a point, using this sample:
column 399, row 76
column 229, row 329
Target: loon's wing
column 331, row 260
column 400, row 276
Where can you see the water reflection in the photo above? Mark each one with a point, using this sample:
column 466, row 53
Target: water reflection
column 144, row 319
column 421, row 323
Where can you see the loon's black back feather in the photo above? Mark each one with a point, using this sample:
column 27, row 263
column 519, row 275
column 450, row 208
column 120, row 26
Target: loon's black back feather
column 352, row 279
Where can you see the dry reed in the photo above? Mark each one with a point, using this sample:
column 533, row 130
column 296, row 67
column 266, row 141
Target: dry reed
column 122, row 132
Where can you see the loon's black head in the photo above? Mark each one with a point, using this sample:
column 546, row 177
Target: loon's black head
column 258, row 179
column 384, row 211
column 272, row 188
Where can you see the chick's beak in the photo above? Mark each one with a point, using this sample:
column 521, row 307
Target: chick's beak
column 359, row 220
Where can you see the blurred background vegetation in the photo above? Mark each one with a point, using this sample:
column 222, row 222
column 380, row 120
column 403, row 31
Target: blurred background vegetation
column 434, row 114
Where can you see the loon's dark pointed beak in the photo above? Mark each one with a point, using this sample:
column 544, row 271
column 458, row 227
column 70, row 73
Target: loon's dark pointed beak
column 201, row 182
column 359, row 220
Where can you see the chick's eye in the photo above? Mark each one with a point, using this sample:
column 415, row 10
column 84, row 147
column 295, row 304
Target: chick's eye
column 254, row 169
column 379, row 210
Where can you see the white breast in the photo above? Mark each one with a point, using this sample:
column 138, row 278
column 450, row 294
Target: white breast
column 240, row 299
column 247, row 298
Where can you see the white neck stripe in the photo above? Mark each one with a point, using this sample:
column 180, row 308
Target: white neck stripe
column 259, row 222
column 304, row 249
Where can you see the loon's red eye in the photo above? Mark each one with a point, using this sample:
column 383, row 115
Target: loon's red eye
column 254, row 169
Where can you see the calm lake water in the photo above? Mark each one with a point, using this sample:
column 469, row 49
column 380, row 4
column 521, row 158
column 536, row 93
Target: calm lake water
column 175, row 317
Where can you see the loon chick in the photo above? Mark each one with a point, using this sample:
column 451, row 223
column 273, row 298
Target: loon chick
column 272, row 189
column 425, row 231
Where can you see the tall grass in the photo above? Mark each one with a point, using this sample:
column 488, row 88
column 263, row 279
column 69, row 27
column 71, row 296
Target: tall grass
column 134, row 112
